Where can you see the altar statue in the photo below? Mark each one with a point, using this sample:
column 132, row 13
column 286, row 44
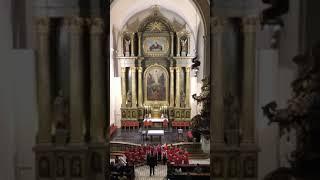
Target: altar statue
column 184, row 48
column 60, row 111
column 182, row 99
column 129, row 99
column 127, row 48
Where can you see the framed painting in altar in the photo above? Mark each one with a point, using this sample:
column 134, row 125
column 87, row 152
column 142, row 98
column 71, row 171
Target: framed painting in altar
column 156, row 46
column 156, row 85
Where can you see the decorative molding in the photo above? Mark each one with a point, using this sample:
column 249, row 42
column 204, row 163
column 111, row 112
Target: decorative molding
column 97, row 25
column 218, row 24
column 42, row 24
column 250, row 24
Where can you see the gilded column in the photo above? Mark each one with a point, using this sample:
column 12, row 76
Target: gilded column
column 217, row 108
column 123, row 86
column 134, row 93
column 76, row 81
column 43, row 80
column 188, row 87
column 132, row 43
column 178, row 70
column 178, row 45
column 140, row 96
column 172, row 43
column 248, row 81
column 139, row 43
column 97, row 82
column 171, row 86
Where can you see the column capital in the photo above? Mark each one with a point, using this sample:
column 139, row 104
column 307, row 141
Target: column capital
column 96, row 25
column 250, row 24
column 76, row 24
column 178, row 69
column 123, row 69
column 139, row 69
column 42, row 24
column 172, row 69
column 188, row 69
column 218, row 24
column 133, row 68
column 139, row 33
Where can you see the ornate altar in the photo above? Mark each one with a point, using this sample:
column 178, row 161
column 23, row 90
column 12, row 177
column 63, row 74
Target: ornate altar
column 155, row 65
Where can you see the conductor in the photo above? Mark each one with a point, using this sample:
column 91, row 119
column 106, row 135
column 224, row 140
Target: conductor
column 152, row 162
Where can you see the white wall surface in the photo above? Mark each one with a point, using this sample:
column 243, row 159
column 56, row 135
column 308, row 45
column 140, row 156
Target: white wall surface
column 268, row 136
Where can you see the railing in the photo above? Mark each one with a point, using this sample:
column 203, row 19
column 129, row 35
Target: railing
column 118, row 146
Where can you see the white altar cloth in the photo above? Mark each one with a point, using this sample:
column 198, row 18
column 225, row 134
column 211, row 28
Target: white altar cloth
column 155, row 132
column 155, row 120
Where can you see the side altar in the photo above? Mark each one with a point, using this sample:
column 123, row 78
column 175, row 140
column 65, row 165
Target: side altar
column 155, row 64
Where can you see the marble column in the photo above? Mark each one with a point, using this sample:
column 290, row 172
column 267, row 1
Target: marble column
column 77, row 115
column 187, row 87
column 140, row 95
column 139, row 44
column 216, row 84
column 123, row 87
column 178, row 70
column 132, row 44
column 97, row 82
column 248, row 81
column 171, row 86
column 133, row 86
column 172, row 43
column 43, row 80
column 178, row 45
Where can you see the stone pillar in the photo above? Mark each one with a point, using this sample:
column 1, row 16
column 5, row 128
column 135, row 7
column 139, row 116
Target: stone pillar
column 217, row 100
column 139, row 44
column 132, row 44
column 133, row 86
column 178, row 45
column 123, row 87
column 97, row 82
column 43, row 80
column 121, row 52
column 171, row 86
column 172, row 43
column 188, row 87
column 248, row 81
column 77, row 115
column 189, row 45
column 178, row 70
column 140, row 95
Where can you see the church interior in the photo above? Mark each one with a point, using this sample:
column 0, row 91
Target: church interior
column 159, row 89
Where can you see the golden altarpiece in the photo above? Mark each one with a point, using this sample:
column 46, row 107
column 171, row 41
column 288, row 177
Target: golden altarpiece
column 155, row 65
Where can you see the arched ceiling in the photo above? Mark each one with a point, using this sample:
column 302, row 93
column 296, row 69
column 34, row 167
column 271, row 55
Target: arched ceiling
column 123, row 10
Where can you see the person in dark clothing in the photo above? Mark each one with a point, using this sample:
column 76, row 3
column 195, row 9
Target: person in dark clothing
column 152, row 163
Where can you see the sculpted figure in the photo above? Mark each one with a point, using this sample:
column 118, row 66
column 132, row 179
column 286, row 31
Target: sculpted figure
column 61, row 111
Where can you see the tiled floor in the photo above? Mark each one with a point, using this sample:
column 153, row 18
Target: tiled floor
column 143, row 173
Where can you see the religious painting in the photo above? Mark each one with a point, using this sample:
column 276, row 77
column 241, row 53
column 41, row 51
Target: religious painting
column 155, row 46
column 156, row 84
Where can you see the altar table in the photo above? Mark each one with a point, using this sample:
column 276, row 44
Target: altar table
column 152, row 133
